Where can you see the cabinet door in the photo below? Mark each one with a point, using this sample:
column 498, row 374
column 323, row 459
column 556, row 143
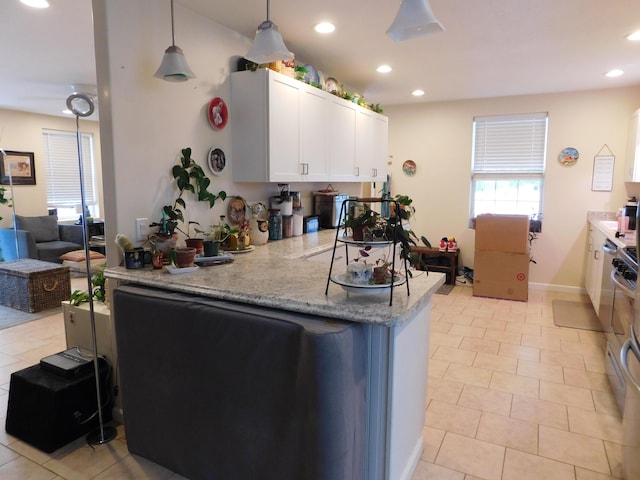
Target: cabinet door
column 380, row 148
column 313, row 135
column 342, row 141
column 364, row 145
column 284, row 130
column 594, row 265
column 632, row 164
column 371, row 146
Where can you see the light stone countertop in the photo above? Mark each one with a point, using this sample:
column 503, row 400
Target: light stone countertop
column 279, row 275
column 606, row 222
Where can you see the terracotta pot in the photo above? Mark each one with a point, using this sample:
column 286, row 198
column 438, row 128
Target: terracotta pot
column 185, row 256
column 380, row 275
column 358, row 233
column 164, row 243
column 197, row 243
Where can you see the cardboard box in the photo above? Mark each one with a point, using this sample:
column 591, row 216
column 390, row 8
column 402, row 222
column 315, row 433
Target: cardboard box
column 502, row 233
column 501, row 275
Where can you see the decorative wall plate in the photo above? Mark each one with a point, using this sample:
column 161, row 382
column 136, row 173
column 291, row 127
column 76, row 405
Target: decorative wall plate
column 218, row 113
column 569, row 156
column 409, row 167
column 216, row 161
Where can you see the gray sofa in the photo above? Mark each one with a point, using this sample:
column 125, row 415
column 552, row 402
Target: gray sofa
column 41, row 238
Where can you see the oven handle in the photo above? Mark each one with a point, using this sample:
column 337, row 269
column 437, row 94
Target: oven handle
column 626, row 290
column 624, row 355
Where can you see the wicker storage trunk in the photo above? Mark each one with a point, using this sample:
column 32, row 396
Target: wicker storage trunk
column 33, row 285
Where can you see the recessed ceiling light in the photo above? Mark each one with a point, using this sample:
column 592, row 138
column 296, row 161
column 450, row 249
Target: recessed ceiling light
column 614, row 73
column 634, row 36
column 36, row 3
column 383, row 69
column 325, row 27
column 417, row 93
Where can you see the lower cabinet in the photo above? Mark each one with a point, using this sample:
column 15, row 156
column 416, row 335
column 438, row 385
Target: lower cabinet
column 594, row 264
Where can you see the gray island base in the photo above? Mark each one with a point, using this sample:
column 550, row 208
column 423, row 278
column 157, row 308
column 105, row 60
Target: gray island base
column 271, row 378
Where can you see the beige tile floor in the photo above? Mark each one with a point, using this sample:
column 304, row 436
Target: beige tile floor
column 510, row 396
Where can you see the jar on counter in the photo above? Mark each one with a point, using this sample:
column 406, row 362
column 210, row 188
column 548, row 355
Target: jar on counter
column 275, row 225
column 287, row 226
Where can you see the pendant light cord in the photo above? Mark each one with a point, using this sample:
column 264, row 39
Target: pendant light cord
column 267, row 10
column 173, row 39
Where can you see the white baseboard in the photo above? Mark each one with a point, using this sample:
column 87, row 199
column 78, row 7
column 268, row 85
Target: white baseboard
column 414, row 458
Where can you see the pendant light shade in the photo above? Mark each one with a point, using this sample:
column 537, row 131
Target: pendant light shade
column 174, row 66
column 414, row 19
column 268, row 45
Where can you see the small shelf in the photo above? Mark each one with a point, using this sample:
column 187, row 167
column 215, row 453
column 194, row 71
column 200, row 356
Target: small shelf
column 367, row 289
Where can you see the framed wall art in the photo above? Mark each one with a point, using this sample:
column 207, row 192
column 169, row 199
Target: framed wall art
column 20, row 166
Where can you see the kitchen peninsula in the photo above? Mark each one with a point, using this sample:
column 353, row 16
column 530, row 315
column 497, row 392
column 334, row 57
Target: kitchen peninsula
column 248, row 369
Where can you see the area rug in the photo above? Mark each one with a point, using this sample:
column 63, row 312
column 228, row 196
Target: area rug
column 572, row 314
column 10, row 317
column 445, row 289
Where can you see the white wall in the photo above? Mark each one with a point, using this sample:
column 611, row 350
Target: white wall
column 438, row 138
column 23, row 132
column 148, row 121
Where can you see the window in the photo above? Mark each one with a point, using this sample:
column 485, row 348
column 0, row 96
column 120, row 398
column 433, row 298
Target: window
column 507, row 174
column 63, row 176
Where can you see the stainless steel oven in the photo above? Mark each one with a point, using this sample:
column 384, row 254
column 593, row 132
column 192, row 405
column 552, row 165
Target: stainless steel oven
column 630, row 363
column 617, row 327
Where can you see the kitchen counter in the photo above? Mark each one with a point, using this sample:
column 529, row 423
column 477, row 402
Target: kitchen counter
column 287, row 278
column 282, row 274
column 607, row 223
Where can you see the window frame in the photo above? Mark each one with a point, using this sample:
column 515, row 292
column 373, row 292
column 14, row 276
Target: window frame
column 67, row 161
column 534, row 161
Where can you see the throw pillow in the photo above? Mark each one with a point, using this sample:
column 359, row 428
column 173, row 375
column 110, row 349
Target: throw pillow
column 43, row 229
column 78, row 255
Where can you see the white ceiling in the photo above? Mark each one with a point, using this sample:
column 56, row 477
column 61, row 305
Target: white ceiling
column 490, row 47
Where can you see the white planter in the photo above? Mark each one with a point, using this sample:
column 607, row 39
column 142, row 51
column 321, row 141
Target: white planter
column 359, row 273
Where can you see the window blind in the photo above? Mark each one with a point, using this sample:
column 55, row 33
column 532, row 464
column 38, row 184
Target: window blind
column 63, row 175
column 510, row 144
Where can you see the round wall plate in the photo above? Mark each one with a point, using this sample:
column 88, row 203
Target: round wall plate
column 409, row 167
column 217, row 161
column 569, row 156
column 217, row 113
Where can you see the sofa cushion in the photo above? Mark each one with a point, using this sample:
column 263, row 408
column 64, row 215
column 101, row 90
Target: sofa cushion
column 43, row 229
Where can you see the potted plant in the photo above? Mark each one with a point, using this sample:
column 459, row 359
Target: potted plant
column 359, row 224
column 217, row 234
column 189, row 177
column 359, row 272
column 98, row 291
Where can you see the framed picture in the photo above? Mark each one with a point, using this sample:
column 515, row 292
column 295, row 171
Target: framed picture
column 18, row 165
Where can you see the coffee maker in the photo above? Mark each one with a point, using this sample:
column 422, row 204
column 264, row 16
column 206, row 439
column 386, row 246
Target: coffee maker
column 630, row 210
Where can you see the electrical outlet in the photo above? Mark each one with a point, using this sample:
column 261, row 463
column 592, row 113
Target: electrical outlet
column 142, row 229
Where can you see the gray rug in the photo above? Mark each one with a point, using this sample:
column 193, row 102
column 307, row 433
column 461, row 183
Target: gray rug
column 10, row 317
column 445, row 289
column 567, row 313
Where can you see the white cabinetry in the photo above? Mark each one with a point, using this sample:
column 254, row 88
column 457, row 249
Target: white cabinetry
column 342, row 132
column 287, row 131
column 594, row 264
column 632, row 164
column 371, row 146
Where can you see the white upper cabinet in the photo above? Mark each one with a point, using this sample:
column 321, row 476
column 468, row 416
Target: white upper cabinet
column 287, row 131
column 632, row 164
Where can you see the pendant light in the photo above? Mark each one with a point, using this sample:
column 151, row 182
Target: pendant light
column 174, row 67
column 414, row 19
column 268, row 45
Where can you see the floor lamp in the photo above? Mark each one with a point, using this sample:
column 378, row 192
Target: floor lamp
column 82, row 106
